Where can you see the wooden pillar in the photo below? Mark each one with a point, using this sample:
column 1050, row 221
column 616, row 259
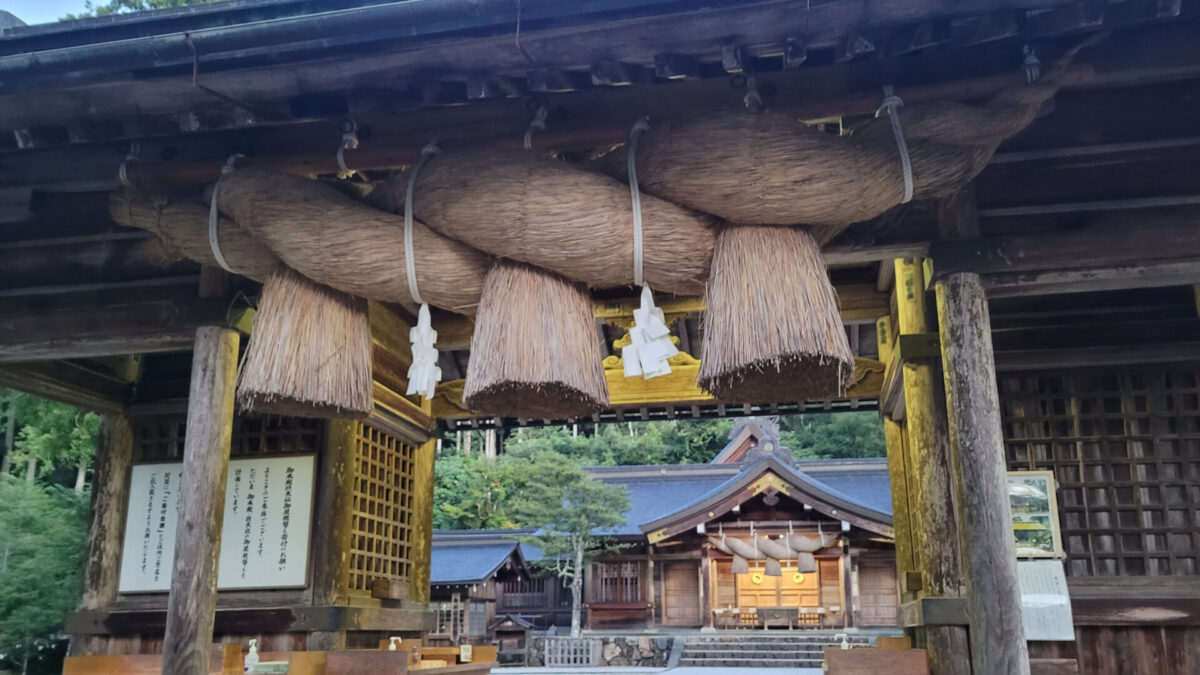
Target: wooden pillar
column 934, row 534
column 422, row 532
column 187, row 647
column 848, row 595
column 707, row 592
column 897, row 457
column 651, row 586
column 334, row 526
column 110, row 492
column 977, row 445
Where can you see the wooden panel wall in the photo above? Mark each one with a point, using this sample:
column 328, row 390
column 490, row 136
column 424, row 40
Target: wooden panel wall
column 159, row 438
column 1128, row 650
column 1124, row 445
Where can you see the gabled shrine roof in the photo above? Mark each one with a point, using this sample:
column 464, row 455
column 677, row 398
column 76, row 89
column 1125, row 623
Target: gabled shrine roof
column 659, row 493
column 472, row 556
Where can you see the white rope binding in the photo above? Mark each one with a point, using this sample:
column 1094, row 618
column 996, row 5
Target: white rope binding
column 349, row 142
column 213, row 217
column 650, row 342
column 135, row 149
column 424, row 373
column 891, row 106
column 538, row 124
column 1032, row 64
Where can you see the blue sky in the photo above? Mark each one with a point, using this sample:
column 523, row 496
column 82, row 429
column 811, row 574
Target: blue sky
column 41, row 11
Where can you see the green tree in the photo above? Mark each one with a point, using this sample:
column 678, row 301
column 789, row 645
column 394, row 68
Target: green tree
column 126, row 6
column 43, row 531
column 844, row 435
column 572, row 512
column 51, row 436
column 471, row 493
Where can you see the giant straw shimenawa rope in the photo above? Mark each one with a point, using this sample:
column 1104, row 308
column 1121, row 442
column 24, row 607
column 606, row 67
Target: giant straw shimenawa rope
column 772, row 329
column 310, row 352
column 335, row 240
column 559, row 217
column 771, row 169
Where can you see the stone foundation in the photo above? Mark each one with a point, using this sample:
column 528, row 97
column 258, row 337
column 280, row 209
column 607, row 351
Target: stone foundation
column 615, row 650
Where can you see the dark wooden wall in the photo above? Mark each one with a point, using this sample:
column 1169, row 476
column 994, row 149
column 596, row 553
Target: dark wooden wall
column 1128, row 650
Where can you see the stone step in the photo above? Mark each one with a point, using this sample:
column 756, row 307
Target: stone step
column 772, row 654
column 751, row 663
column 690, row 642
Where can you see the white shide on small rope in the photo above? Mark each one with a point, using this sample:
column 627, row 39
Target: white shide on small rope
column 650, row 338
column 349, row 142
column 649, row 341
column 424, row 373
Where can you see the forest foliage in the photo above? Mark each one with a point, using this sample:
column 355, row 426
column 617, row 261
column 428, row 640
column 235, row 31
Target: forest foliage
column 47, row 451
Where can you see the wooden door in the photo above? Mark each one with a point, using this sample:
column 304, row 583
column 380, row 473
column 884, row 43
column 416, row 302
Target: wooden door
column 798, row 589
column 877, row 595
column 681, row 594
column 791, row 589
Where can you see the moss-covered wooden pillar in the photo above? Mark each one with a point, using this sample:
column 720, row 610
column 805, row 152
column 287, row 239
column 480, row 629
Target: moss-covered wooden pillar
column 110, row 492
column 931, row 494
column 977, row 447
column 897, row 457
column 191, row 608
column 422, row 549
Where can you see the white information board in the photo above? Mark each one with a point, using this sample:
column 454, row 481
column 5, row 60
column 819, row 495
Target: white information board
column 1045, row 600
column 264, row 537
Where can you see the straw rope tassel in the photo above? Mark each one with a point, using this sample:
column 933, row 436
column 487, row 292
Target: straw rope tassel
column 649, row 338
column 424, row 373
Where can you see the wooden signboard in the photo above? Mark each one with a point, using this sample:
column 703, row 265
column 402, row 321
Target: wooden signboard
column 1031, row 495
column 264, row 537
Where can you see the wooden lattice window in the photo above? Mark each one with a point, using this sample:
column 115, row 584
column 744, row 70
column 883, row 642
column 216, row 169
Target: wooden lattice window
column 523, row 593
column 616, row 581
column 381, row 539
column 159, row 438
column 1124, row 445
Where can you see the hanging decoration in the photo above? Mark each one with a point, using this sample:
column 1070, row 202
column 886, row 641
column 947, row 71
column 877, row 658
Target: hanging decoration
column 349, row 142
column 650, row 342
column 424, row 373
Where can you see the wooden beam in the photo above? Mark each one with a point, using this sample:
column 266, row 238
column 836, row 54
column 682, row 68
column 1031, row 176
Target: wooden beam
column 1086, row 280
column 934, row 529
column 595, row 119
column 980, row 478
column 68, row 382
column 187, row 645
column 1167, row 236
column 109, row 330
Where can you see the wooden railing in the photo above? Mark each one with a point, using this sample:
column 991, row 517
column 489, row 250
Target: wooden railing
column 567, row 651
